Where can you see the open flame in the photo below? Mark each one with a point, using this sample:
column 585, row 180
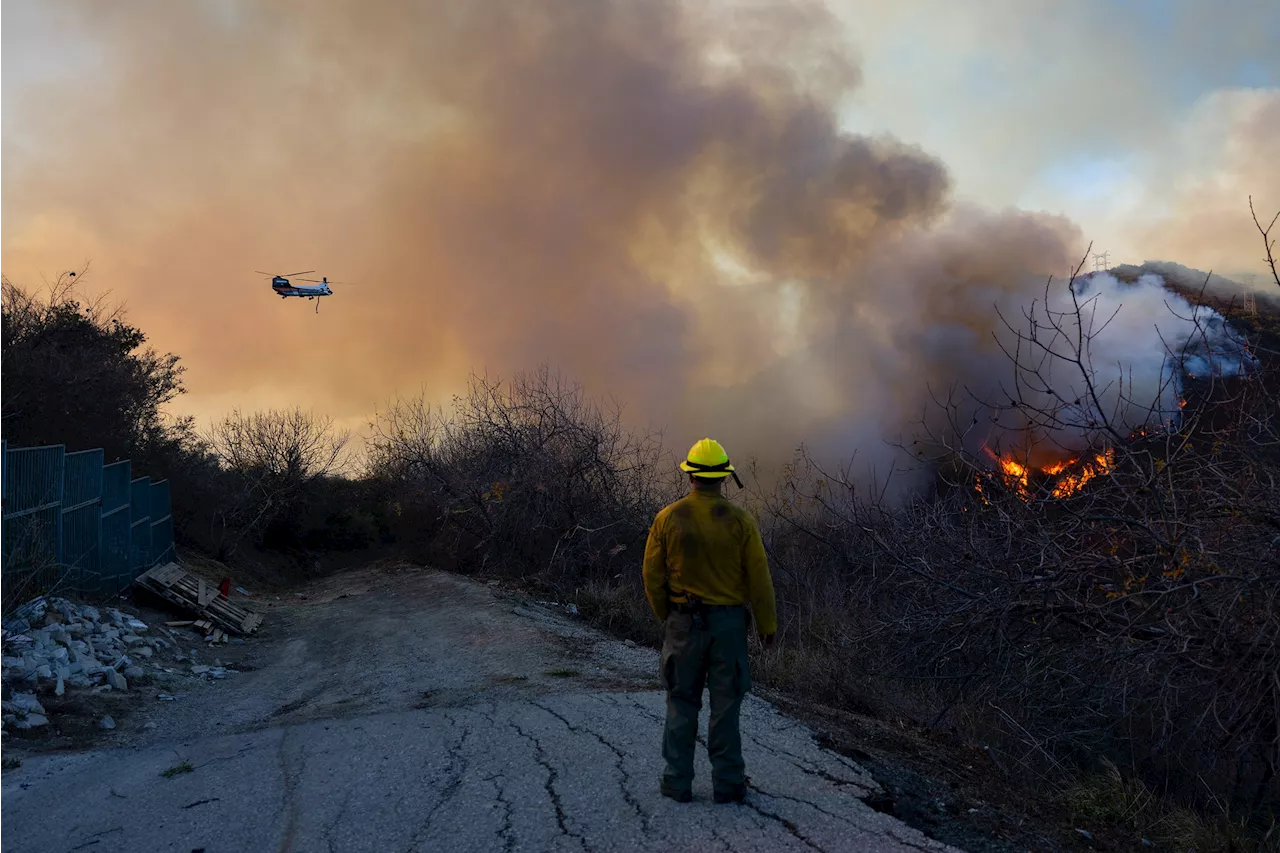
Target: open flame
column 1067, row 477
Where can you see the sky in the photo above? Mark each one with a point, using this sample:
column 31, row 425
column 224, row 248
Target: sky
column 777, row 221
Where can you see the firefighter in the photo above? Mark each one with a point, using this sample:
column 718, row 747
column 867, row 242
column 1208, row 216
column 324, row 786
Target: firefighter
column 703, row 562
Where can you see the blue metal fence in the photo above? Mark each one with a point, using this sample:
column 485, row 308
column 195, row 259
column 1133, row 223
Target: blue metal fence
column 72, row 522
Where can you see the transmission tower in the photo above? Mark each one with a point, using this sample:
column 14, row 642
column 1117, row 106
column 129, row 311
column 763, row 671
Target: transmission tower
column 1100, row 261
column 1250, row 297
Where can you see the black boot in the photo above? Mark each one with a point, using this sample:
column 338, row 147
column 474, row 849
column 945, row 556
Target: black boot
column 731, row 794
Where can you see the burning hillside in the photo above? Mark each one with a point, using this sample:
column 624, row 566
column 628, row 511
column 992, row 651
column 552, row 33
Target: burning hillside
column 1058, row 480
column 1098, row 363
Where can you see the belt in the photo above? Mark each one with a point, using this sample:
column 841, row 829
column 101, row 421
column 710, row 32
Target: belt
column 701, row 606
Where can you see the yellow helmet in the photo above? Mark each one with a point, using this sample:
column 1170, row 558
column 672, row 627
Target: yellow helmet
column 708, row 460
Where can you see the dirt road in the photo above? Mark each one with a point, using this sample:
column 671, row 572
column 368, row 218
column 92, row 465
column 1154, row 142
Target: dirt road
column 404, row 710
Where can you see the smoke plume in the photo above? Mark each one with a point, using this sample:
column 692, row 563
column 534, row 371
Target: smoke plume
column 654, row 198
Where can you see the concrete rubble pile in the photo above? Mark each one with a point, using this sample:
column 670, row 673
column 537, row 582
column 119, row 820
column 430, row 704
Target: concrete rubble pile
column 52, row 645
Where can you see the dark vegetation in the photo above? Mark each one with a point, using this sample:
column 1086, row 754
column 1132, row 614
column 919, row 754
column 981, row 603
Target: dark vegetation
column 77, row 373
column 1114, row 649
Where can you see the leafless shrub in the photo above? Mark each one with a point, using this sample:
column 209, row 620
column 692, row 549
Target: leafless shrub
column 533, row 477
column 272, row 458
column 1124, row 606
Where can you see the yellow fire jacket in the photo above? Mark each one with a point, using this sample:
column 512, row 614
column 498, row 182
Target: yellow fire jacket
column 708, row 547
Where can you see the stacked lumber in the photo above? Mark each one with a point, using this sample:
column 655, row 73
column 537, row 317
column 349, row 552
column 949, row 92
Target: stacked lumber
column 193, row 593
column 205, row 627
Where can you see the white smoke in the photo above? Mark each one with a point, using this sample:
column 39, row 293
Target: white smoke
column 1138, row 345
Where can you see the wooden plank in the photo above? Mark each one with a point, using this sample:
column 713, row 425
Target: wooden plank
column 193, row 593
column 163, row 575
column 181, row 623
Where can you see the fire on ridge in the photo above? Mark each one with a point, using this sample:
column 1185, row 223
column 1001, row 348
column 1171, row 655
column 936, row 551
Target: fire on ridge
column 1060, row 479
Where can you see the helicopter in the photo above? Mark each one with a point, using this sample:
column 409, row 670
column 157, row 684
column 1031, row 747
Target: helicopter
column 281, row 285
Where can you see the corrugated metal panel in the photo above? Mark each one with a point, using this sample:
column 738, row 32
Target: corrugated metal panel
column 140, row 526
column 161, row 523
column 32, row 524
column 82, row 478
column 115, row 486
column 81, row 517
column 73, row 523
column 33, row 480
column 4, row 502
column 116, row 522
column 116, row 573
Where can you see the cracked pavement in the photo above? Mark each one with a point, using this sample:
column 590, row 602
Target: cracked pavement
column 405, row 710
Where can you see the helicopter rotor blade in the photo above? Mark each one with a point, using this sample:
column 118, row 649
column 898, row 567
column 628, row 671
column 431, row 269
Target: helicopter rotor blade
column 286, row 275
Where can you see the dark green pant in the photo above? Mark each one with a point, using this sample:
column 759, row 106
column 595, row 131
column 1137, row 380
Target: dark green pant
column 714, row 658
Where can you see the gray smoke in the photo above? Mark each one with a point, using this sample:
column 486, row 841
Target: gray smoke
column 655, row 198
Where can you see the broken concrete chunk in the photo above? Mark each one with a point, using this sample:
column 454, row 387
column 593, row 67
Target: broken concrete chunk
column 200, row 670
column 32, row 721
column 18, row 626
column 143, row 651
column 25, row 702
column 107, row 723
column 116, row 680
